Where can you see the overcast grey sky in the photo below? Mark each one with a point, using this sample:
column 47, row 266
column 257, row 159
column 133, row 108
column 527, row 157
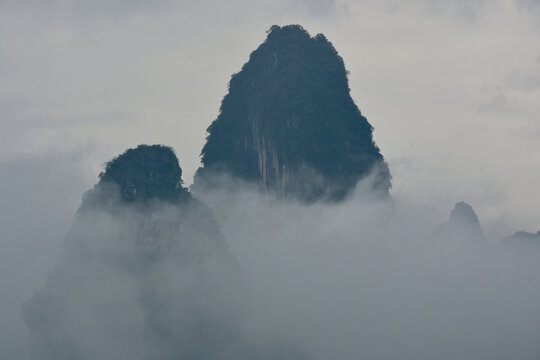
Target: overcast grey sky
column 452, row 87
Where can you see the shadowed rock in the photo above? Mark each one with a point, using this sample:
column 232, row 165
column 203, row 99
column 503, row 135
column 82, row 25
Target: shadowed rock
column 289, row 124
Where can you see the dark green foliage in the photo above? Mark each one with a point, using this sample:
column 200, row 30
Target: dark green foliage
column 287, row 111
column 146, row 172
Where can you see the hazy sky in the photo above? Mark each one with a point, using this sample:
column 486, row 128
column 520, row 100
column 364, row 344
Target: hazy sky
column 452, row 88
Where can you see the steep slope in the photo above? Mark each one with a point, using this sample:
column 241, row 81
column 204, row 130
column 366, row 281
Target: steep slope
column 290, row 125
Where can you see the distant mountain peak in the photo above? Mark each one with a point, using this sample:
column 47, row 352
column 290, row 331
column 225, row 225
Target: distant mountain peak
column 523, row 237
column 463, row 213
column 141, row 266
column 462, row 225
column 290, row 125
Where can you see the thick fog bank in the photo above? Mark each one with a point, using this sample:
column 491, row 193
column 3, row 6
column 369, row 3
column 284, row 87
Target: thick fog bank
column 144, row 273
column 281, row 280
column 361, row 279
column 38, row 198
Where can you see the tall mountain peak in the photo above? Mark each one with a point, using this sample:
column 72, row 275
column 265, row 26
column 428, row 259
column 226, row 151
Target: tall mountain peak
column 523, row 237
column 290, row 125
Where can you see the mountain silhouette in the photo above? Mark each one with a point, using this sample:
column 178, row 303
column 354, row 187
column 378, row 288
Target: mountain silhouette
column 462, row 226
column 289, row 124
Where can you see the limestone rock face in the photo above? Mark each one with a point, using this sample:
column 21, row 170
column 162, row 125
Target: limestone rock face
column 289, row 124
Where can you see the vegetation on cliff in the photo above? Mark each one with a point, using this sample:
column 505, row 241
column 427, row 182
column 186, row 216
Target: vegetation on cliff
column 289, row 123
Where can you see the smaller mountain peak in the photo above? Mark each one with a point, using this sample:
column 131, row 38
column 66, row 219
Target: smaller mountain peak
column 462, row 224
column 463, row 212
column 523, row 237
column 145, row 172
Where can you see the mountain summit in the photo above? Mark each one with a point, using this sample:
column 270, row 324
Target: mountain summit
column 144, row 173
column 290, row 125
column 462, row 225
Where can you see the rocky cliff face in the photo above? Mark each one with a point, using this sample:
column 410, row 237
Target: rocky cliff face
column 290, row 125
